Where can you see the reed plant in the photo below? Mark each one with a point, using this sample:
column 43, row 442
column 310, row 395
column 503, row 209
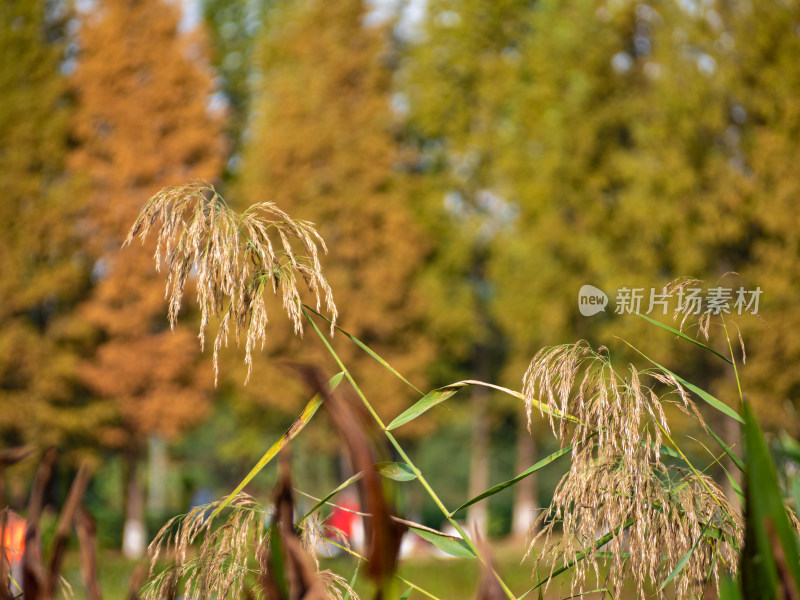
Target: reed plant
column 632, row 509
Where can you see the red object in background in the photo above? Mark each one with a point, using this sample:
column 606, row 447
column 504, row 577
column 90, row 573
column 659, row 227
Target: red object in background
column 14, row 538
column 343, row 519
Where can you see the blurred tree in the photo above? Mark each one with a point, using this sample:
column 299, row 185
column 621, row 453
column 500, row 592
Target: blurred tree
column 43, row 269
column 323, row 147
column 613, row 156
column 652, row 153
column 142, row 122
column 459, row 71
column 235, row 26
column 762, row 43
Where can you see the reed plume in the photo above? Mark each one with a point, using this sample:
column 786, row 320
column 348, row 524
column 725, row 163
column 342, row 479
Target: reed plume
column 618, row 486
column 235, row 259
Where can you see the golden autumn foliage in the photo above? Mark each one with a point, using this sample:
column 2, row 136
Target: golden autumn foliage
column 142, row 121
column 323, row 148
column 42, row 271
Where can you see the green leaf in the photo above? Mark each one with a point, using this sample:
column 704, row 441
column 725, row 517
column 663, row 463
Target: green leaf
column 501, row 486
column 405, row 595
column 299, row 424
column 353, row 579
column 736, row 460
column 423, row 405
column 685, row 337
column 395, row 470
column 582, row 594
column 796, row 493
column 767, row 526
column 277, row 561
column 369, row 351
column 728, row 590
column 709, row 399
column 446, row 543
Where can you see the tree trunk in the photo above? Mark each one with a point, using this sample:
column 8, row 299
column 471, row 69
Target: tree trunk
column 526, row 491
column 156, row 475
column 134, row 535
column 478, row 513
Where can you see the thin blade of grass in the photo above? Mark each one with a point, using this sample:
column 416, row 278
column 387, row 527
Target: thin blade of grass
column 581, row 555
column 296, row 427
column 771, row 562
column 728, row 450
column 328, row 496
column 383, row 362
column 681, row 565
column 597, row 591
column 441, row 394
column 685, row 337
column 433, row 495
column 352, row 580
column 702, row 394
column 734, row 486
column 501, row 486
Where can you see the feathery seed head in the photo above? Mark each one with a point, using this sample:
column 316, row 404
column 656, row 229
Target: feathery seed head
column 235, row 259
column 617, row 484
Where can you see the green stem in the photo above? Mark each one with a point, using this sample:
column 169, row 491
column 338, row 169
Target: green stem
column 402, row 580
column 733, row 361
column 405, row 456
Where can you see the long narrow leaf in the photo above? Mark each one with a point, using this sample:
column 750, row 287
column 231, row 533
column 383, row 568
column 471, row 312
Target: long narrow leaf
column 441, row 394
column 449, row 544
column 702, row 394
column 684, row 560
column 353, row 580
column 736, row 460
column 383, row 362
column 328, row 496
column 395, row 470
column 427, row 402
column 685, row 337
column 768, row 533
column 529, row 471
column 299, row 424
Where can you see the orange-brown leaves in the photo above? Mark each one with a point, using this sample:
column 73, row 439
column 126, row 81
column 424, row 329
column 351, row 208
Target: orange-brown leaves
column 142, row 121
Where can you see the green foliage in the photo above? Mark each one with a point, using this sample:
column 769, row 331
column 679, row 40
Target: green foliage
column 234, row 27
column 42, row 266
column 771, row 559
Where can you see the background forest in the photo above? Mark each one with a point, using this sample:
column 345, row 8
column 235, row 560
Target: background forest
column 470, row 164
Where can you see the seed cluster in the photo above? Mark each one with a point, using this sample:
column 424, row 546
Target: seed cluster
column 618, row 490
column 234, row 259
column 210, row 561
